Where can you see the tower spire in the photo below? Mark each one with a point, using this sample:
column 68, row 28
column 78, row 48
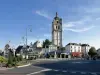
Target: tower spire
column 56, row 14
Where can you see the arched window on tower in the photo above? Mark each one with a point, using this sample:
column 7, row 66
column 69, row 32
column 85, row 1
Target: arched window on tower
column 58, row 27
column 57, row 22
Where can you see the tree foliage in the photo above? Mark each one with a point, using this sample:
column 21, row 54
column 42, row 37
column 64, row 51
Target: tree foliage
column 92, row 52
column 10, row 57
column 46, row 43
column 3, row 59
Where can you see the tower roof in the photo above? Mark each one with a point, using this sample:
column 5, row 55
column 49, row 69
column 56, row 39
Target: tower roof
column 56, row 17
column 56, row 14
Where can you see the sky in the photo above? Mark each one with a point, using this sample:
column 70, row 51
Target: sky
column 81, row 21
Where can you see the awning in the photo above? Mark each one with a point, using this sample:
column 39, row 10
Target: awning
column 76, row 53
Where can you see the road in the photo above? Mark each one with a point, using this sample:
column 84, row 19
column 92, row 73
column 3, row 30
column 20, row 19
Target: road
column 62, row 67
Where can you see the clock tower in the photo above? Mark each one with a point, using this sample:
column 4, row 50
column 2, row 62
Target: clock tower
column 57, row 31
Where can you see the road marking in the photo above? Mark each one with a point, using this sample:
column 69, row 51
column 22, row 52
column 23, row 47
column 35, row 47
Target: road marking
column 73, row 72
column 93, row 73
column 64, row 71
column 83, row 72
column 39, row 71
column 56, row 70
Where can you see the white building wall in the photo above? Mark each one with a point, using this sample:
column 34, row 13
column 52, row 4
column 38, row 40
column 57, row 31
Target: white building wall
column 39, row 44
column 73, row 48
column 85, row 49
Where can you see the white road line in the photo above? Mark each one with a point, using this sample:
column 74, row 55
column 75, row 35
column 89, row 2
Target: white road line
column 39, row 71
column 73, row 72
column 56, row 70
column 83, row 72
column 93, row 73
column 64, row 71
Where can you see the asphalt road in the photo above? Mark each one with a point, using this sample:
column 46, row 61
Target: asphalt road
column 71, row 67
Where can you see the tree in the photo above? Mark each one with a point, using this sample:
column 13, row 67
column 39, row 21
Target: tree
column 10, row 58
column 2, row 60
column 46, row 43
column 7, row 46
column 92, row 52
column 1, row 53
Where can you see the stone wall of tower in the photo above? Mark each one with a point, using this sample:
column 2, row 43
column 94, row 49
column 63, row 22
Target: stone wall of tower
column 57, row 31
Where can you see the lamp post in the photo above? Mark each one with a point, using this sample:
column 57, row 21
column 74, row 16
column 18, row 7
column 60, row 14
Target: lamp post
column 27, row 39
column 55, row 54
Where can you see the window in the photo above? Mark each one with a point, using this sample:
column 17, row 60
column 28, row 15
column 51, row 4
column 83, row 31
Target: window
column 71, row 50
column 56, row 27
column 57, row 22
column 78, row 50
column 71, row 46
column 75, row 50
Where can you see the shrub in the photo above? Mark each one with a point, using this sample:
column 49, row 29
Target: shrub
column 9, row 65
column 3, row 59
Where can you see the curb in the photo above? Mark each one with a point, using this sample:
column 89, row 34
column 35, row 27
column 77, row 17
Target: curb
column 6, row 69
column 15, row 67
column 24, row 65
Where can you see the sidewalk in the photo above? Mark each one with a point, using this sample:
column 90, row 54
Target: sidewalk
column 4, row 68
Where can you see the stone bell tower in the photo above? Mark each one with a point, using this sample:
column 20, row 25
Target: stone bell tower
column 57, row 31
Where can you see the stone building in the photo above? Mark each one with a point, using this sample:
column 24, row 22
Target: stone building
column 57, row 31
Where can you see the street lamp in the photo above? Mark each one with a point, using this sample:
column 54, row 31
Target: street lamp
column 26, row 38
column 55, row 53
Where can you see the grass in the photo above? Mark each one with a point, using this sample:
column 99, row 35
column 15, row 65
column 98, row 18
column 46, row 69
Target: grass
column 21, row 63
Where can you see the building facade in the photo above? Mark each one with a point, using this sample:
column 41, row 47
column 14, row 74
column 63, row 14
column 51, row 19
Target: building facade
column 37, row 44
column 57, row 31
column 74, row 49
column 77, row 49
column 85, row 49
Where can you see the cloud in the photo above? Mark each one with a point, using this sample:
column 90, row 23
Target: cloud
column 79, row 25
column 65, row 25
column 98, row 18
column 44, row 14
column 92, row 10
column 47, row 35
column 80, row 30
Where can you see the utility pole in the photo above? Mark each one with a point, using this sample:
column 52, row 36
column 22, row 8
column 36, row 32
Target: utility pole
column 27, row 39
column 26, row 45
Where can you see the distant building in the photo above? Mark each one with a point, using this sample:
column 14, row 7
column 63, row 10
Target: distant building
column 48, row 49
column 74, row 49
column 35, row 49
column 85, row 49
column 98, row 52
column 37, row 44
